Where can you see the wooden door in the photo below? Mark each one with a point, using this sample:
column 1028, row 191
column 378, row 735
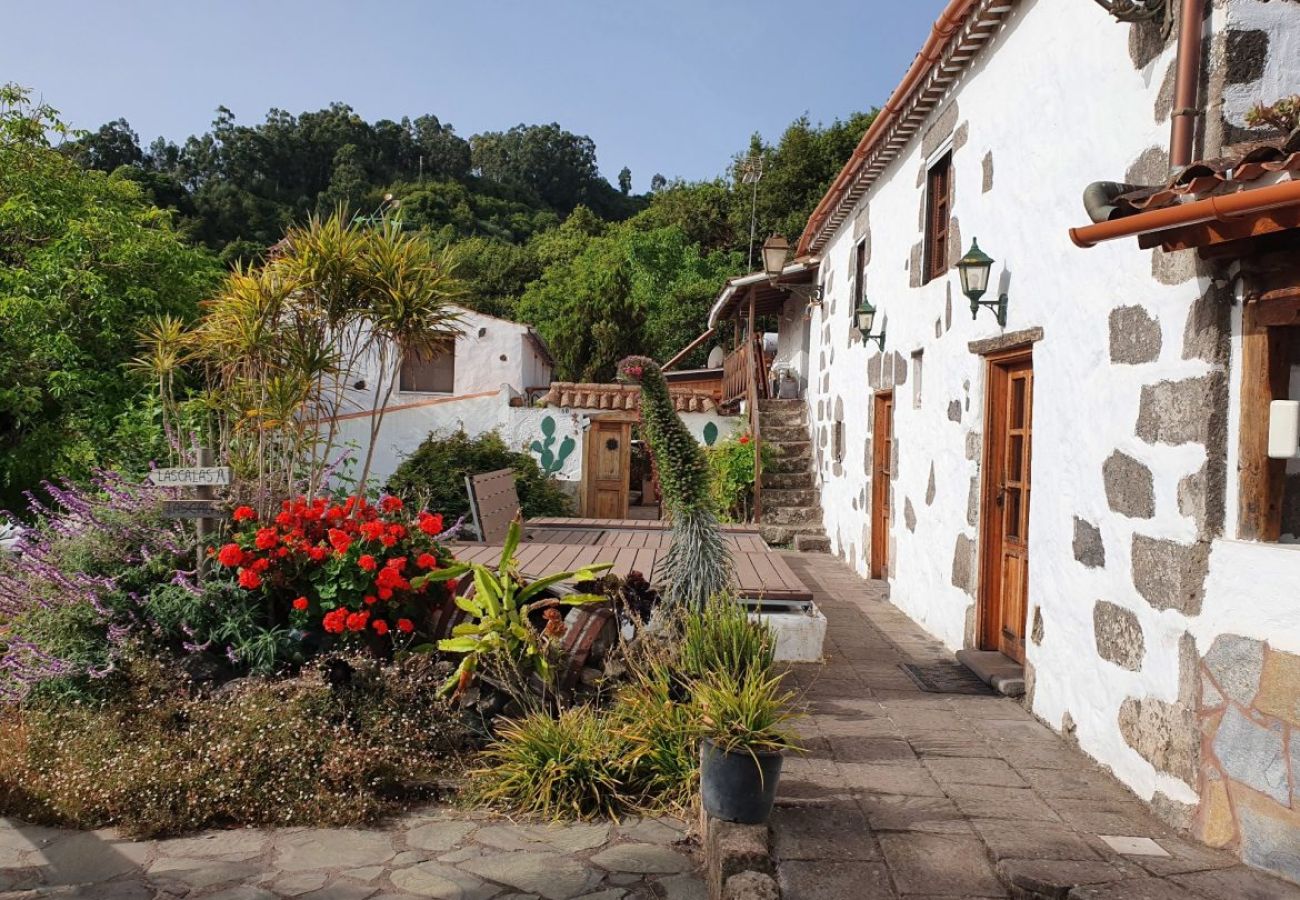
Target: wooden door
column 607, row 469
column 882, row 469
column 1008, row 448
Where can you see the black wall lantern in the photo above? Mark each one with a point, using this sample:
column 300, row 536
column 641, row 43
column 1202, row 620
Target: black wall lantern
column 974, row 269
column 866, row 320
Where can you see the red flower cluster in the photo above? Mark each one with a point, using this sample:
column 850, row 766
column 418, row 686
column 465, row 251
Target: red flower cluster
column 340, row 567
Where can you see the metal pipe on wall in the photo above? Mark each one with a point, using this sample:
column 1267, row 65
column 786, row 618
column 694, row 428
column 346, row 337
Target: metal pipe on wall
column 1182, row 130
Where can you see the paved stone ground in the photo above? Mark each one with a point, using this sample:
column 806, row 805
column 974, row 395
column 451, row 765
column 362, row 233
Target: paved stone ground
column 449, row 854
column 924, row 795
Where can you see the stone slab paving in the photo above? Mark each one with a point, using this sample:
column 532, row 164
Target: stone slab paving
column 438, row 852
column 916, row 795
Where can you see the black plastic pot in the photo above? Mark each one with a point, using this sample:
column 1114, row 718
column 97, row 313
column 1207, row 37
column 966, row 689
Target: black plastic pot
column 738, row 787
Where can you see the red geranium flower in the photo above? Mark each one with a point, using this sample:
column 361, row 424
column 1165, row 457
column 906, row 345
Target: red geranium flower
column 380, row 626
column 385, row 593
column 357, row 621
column 426, row 561
column 266, row 538
column 390, row 504
column 367, row 562
column 339, row 540
column 244, row 514
column 744, row 439
column 452, row 584
column 249, row 579
column 397, row 562
column 372, row 531
column 334, row 622
column 260, row 565
column 230, row 555
column 406, row 626
column 431, row 523
column 301, row 603
column 370, row 599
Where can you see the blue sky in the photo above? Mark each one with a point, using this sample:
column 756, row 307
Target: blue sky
column 669, row 86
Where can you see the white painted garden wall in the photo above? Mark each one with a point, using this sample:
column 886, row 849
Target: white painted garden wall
column 1053, row 103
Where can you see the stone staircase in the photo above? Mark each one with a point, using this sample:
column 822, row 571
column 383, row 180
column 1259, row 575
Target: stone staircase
column 791, row 511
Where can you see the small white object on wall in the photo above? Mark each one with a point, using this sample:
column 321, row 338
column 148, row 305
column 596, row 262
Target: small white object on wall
column 1284, row 429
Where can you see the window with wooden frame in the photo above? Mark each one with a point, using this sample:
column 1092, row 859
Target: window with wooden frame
column 429, row 373
column 938, row 214
column 1269, row 501
column 859, row 277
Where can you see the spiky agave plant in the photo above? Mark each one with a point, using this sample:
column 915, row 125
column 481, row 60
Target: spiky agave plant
column 697, row 566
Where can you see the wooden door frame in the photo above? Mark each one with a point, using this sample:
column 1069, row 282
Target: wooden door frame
column 988, row 629
column 627, row 420
column 880, row 560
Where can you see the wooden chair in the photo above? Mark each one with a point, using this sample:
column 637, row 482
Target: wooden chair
column 493, row 503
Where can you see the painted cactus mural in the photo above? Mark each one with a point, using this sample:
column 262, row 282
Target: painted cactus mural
column 552, row 462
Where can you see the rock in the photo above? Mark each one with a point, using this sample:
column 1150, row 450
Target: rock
column 1129, row 486
column 909, row 515
column 1215, row 824
column 963, row 564
column 750, row 886
column 1236, row 664
column 1134, row 336
column 241, row 843
column 326, row 848
column 683, row 887
column 1193, row 410
column 1279, row 691
column 81, row 857
column 301, row 883
column 929, row 488
column 644, row 858
column 1118, row 635
column 342, row 890
column 1252, row 753
column 1170, row 575
column 552, row 875
column 429, row 879
column 954, row 411
column 438, row 836
column 1088, row 546
column 1165, row 734
column 652, row 831
column 1268, row 834
column 201, row 873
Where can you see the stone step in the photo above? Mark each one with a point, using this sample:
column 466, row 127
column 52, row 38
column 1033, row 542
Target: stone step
column 789, row 419
column 777, row 405
column 791, row 515
column 787, row 463
column 783, row 434
column 787, row 481
column 786, row 534
column 809, row 542
column 788, row 497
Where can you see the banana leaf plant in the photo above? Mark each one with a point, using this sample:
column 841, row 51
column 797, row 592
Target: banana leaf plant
column 500, row 605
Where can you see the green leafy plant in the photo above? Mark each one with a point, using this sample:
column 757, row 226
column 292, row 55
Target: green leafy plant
column 568, row 766
column 697, row 566
column 501, row 604
column 1284, row 115
column 749, row 713
column 662, row 760
column 731, row 473
column 434, row 475
column 720, row 637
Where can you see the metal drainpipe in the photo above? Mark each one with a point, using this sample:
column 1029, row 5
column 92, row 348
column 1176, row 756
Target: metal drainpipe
column 1186, row 84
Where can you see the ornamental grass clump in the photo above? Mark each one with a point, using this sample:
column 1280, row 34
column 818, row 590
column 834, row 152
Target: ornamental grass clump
column 697, row 566
column 569, row 766
column 722, row 637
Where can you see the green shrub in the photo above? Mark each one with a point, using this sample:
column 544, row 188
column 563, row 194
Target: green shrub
column 434, row 475
column 748, row 712
column 722, row 638
column 569, row 766
column 157, row 761
column 731, row 475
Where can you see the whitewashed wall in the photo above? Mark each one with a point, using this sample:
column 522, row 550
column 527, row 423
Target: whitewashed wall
column 1055, row 102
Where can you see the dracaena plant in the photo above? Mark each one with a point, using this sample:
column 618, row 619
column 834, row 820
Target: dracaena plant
column 501, row 602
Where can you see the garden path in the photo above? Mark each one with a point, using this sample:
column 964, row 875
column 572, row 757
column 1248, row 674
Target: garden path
column 911, row 794
column 437, row 852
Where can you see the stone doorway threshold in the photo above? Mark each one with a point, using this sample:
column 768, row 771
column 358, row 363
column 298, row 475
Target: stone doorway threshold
column 1002, row 673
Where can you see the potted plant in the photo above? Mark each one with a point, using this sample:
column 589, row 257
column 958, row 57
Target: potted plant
column 744, row 723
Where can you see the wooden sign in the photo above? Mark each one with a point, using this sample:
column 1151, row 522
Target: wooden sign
column 191, row 509
column 200, row 476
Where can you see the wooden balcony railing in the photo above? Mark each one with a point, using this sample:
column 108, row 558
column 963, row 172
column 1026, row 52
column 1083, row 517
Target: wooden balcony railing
column 735, row 375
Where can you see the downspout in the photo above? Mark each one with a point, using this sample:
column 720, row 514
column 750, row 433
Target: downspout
column 1182, row 131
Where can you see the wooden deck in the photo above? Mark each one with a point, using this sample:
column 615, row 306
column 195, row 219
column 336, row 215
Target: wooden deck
column 558, row 545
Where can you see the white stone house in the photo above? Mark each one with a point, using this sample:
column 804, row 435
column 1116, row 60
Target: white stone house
column 1085, row 491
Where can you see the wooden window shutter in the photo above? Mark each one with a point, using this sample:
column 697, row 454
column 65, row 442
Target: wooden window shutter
column 938, row 214
column 429, row 373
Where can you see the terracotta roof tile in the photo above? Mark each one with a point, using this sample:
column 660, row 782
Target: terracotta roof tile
column 1207, row 177
column 586, row 395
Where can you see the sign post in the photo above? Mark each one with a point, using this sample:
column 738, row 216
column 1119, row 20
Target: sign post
column 204, row 508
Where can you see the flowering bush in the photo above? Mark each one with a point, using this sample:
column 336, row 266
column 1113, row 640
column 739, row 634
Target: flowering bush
column 731, row 475
column 341, row 569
